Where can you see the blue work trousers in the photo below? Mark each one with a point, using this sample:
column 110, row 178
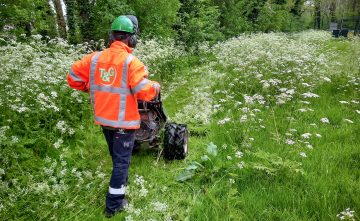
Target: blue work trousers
column 121, row 143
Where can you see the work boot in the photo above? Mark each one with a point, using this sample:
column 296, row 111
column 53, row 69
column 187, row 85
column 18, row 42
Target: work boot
column 109, row 214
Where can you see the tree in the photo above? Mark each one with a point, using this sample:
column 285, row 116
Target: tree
column 317, row 23
column 71, row 13
column 60, row 18
column 102, row 15
column 156, row 17
column 198, row 21
column 27, row 17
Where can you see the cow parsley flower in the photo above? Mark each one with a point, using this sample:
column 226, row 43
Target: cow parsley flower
column 14, row 139
column 223, row 121
column 239, row 154
column 58, row 143
column 129, row 218
column 61, row 125
column 310, row 95
column 159, row 207
column 306, row 135
column 243, row 118
column 303, row 154
column 346, row 215
column 325, row 120
column 289, row 142
column 241, row 165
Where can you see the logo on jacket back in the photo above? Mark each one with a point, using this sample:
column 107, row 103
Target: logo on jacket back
column 107, row 76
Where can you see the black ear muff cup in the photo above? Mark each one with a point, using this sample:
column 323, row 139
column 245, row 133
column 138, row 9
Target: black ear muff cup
column 132, row 41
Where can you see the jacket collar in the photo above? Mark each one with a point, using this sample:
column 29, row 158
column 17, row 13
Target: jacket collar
column 119, row 45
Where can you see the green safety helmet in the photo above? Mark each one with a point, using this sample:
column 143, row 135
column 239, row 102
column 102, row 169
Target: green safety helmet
column 123, row 23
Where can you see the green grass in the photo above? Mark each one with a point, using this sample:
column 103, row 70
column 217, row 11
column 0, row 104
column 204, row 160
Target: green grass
column 276, row 183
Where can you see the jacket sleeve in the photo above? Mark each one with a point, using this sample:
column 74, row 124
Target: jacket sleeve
column 78, row 75
column 141, row 87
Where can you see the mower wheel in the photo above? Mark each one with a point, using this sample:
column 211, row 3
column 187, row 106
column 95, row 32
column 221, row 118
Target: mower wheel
column 175, row 141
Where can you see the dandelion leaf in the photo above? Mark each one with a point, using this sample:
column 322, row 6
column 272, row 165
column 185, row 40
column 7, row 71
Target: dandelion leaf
column 212, row 149
column 186, row 175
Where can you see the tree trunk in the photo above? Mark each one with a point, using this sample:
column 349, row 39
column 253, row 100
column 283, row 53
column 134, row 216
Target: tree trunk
column 333, row 11
column 60, row 18
column 85, row 8
column 317, row 14
column 296, row 10
column 71, row 20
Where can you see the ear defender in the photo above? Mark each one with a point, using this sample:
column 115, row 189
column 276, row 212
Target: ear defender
column 132, row 41
column 111, row 39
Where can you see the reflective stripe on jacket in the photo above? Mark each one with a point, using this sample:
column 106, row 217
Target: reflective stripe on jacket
column 115, row 79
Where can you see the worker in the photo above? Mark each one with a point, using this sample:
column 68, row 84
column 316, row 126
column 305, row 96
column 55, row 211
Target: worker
column 115, row 80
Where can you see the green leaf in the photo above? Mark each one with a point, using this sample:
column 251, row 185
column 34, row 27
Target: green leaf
column 212, row 149
column 205, row 158
column 186, row 175
column 191, row 167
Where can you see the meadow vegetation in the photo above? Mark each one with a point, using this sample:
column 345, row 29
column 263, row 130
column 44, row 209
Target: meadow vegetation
column 273, row 119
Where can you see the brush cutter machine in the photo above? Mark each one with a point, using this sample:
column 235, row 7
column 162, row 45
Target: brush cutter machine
column 153, row 120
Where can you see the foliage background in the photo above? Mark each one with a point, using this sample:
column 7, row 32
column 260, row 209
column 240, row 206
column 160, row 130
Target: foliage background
column 188, row 21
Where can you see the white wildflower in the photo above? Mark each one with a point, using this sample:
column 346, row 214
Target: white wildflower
column 229, row 157
column 61, row 125
column 241, row 165
column 243, row 118
column 231, row 181
column 216, row 106
column 306, row 135
column 53, row 94
column 14, row 139
column 325, row 120
column 143, row 192
column 289, row 142
column 58, row 143
column 2, row 171
column 318, row 135
column 310, row 95
column 129, row 218
column 303, row 154
column 344, row 102
column 223, row 121
column 139, row 180
column 71, row 131
column 159, row 207
column 239, row 154
column 346, row 215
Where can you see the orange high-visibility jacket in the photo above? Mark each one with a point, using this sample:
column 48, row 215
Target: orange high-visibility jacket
column 115, row 80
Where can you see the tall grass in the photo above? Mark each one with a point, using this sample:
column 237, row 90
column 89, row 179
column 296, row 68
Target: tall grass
column 274, row 123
